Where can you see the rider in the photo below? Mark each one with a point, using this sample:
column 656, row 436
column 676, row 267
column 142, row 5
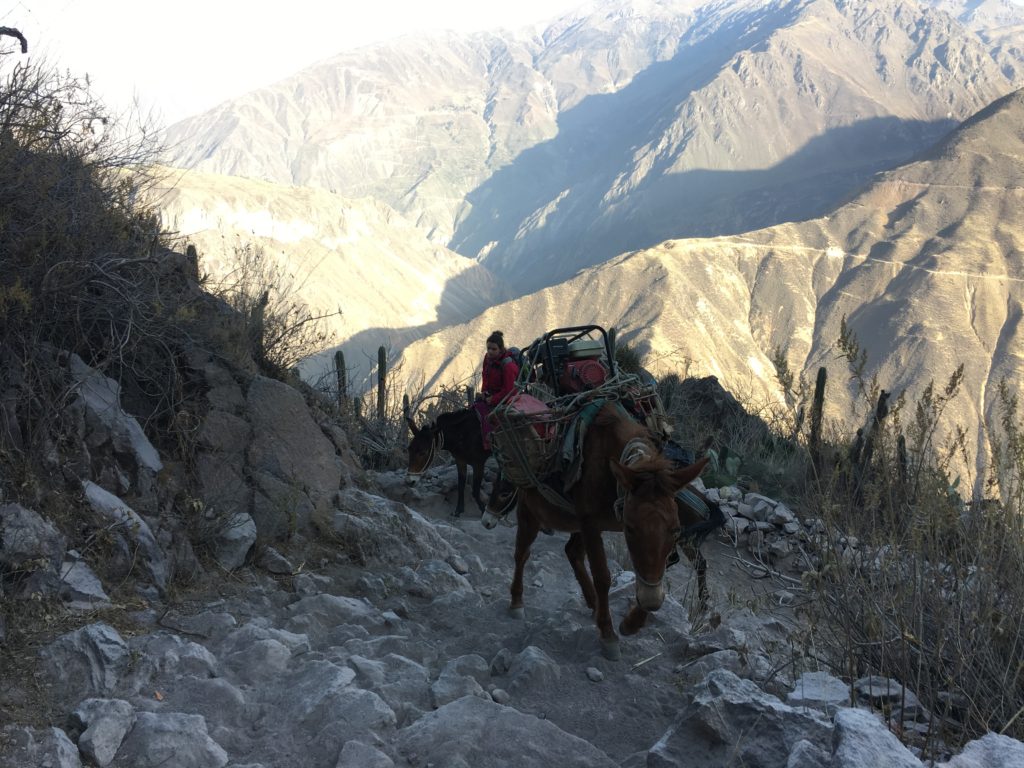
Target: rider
column 500, row 370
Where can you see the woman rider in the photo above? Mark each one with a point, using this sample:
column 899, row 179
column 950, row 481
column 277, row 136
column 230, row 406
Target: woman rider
column 500, row 370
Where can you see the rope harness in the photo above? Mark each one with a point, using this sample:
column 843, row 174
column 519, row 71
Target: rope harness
column 436, row 444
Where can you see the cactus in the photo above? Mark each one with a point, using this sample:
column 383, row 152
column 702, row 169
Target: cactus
column 817, row 405
column 339, row 369
column 470, row 395
column 382, row 375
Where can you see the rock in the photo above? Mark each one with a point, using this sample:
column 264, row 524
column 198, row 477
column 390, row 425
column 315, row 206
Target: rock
column 288, row 446
column 879, row 690
column 500, row 696
column 820, row 690
column 107, row 421
column 476, row 732
column 808, row 755
column 104, row 724
column 272, row 561
column 992, row 750
column 781, row 515
column 460, row 677
column 234, row 541
column 403, row 683
column 87, row 662
column 22, row 747
column 355, row 754
column 119, row 516
column 31, row 550
column 730, row 710
column 533, row 668
column 170, row 739
column 594, row 675
column 372, row 529
column 162, row 656
column 861, row 739
column 320, row 615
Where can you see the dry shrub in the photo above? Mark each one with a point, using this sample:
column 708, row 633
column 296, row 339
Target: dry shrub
column 276, row 328
column 83, row 267
column 914, row 583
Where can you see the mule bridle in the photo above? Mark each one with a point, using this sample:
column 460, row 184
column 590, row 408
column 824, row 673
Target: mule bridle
column 436, row 444
column 635, row 450
column 512, row 497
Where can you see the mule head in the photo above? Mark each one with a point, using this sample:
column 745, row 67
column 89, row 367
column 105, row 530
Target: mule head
column 421, row 451
column 499, row 503
column 650, row 520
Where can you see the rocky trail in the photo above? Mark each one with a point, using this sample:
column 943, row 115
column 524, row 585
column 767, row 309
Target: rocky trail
column 393, row 646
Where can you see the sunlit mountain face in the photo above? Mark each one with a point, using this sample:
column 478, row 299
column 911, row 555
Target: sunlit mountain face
column 720, row 180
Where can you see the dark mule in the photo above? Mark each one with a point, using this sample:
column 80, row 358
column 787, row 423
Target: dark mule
column 618, row 453
column 459, row 434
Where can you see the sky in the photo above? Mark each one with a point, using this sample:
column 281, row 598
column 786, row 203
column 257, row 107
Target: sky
column 186, row 56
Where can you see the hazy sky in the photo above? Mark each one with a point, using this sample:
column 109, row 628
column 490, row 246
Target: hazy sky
column 185, row 56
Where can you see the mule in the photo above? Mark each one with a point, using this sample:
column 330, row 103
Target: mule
column 618, row 453
column 458, row 433
column 698, row 517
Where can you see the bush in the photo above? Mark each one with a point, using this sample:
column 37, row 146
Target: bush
column 278, row 329
column 914, row 583
column 83, row 267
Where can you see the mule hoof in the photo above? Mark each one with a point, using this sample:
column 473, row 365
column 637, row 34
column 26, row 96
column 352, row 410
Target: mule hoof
column 610, row 649
column 488, row 520
column 517, row 613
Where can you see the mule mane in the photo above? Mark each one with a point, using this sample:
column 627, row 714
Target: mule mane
column 653, row 476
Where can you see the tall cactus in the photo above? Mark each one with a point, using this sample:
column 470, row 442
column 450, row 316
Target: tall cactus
column 405, row 415
column 817, row 405
column 339, row 369
column 382, row 375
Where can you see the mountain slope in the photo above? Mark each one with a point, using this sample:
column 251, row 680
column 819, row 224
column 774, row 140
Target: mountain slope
column 622, row 125
column 927, row 265
column 358, row 255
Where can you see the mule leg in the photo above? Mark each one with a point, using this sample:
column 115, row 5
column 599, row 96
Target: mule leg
column 602, row 583
column 460, row 483
column 478, row 478
column 576, row 553
column 526, row 533
column 634, row 620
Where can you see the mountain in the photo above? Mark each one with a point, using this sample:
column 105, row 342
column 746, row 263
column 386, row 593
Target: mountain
column 926, row 264
column 540, row 153
column 356, row 255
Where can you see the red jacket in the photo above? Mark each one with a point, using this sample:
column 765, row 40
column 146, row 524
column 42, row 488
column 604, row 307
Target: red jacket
column 499, row 377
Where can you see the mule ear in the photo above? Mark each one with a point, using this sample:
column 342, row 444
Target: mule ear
column 685, row 475
column 412, row 424
column 625, row 476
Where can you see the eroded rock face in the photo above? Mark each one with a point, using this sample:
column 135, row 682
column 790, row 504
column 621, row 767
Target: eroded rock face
column 261, row 453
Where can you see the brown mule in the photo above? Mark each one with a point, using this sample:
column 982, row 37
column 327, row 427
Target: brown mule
column 618, row 453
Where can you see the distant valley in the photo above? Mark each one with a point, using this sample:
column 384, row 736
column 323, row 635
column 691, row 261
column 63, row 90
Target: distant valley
column 716, row 179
